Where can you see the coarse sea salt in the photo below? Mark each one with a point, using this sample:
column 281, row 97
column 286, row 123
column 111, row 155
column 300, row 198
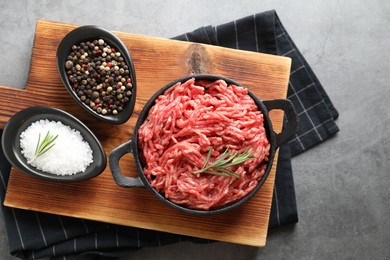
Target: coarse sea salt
column 70, row 154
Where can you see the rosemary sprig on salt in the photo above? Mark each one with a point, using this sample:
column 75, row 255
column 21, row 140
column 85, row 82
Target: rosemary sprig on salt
column 44, row 146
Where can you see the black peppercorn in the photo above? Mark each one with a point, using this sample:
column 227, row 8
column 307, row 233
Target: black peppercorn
column 95, row 95
column 69, row 64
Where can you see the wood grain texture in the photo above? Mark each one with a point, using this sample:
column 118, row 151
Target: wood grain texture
column 157, row 62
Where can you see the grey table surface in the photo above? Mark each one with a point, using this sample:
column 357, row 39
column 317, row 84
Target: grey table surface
column 342, row 185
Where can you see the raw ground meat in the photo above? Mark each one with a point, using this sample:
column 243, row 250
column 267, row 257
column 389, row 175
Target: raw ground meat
column 184, row 124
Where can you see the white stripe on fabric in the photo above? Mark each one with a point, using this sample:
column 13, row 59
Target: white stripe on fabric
column 116, row 237
column 301, row 67
column 216, row 35
column 18, row 228
column 208, row 37
column 40, row 228
column 280, row 35
column 85, row 226
column 63, row 228
column 54, row 250
column 186, row 37
column 277, row 205
column 138, row 240
column 287, row 53
column 254, row 23
column 311, row 121
column 96, row 240
column 158, row 238
column 299, row 141
column 301, row 90
column 3, row 181
column 235, row 30
column 317, row 126
column 313, row 106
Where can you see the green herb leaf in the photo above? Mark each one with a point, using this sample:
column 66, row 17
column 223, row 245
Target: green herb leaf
column 221, row 165
column 44, row 146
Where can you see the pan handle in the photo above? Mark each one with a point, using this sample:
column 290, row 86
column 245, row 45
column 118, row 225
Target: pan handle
column 292, row 125
column 114, row 157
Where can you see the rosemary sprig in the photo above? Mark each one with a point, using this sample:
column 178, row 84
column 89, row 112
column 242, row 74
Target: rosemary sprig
column 44, row 146
column 221, row 165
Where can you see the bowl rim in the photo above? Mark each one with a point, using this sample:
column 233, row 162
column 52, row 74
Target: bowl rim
column 22, row 119
column 93, row 32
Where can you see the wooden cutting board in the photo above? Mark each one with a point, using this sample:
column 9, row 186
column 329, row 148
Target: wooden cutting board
column 157, row 62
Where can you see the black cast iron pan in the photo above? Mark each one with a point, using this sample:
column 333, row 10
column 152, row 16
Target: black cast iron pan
column 275, row 139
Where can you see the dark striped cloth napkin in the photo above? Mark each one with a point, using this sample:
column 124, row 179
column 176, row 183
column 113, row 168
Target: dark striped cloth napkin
column 35, row 235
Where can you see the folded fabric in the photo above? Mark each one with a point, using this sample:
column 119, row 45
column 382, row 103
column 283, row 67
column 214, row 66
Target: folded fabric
column 35, row 235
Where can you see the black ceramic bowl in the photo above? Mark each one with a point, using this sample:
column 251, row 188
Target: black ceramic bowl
column 91, row 33
column 275, row 139
column 24, row 118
